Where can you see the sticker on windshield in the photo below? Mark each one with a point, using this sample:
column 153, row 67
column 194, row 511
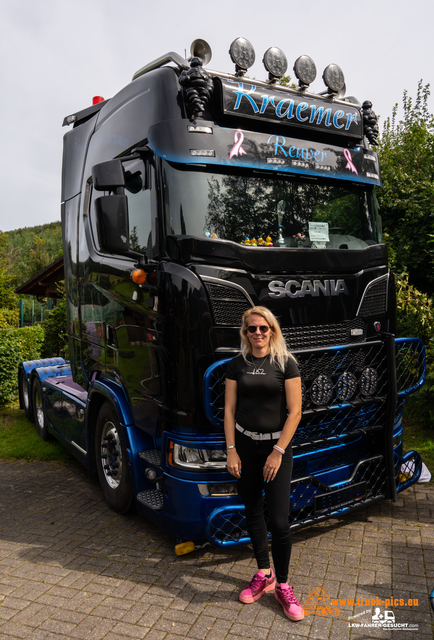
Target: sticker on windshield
column 319, row 233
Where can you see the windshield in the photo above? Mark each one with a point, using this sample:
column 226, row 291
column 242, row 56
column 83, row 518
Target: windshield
column 259, row 209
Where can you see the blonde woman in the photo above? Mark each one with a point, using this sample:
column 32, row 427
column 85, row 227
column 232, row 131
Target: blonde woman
column 262, row 412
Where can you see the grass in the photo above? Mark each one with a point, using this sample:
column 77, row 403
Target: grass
column 19, row 440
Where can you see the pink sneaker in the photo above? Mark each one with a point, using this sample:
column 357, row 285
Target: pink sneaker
column 257, row 586
column 291, row 606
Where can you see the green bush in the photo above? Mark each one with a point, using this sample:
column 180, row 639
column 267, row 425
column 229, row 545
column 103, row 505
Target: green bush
column 16, row 345
column 415, row 317
column 9, row 318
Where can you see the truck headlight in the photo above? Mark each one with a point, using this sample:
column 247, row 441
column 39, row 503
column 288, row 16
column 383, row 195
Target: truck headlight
column 192, row 459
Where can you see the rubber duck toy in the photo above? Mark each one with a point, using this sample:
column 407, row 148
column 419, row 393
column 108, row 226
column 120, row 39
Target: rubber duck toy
column 261, row 242
column 245, row 241
column 268, row 242
column 254, row 242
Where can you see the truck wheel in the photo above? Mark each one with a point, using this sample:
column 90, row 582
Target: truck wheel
column 39, row 409
column 25, row 396
column 112, row 462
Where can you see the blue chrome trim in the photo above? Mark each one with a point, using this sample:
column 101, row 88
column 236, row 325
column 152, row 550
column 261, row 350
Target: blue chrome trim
column 208, row 387
column 418, row 348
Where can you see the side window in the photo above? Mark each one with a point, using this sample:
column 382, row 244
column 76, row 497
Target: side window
column 138, row 192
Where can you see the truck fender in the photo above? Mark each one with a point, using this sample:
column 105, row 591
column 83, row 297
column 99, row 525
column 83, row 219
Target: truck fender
column 26, row 372
column 98, row 392
column 113, row 393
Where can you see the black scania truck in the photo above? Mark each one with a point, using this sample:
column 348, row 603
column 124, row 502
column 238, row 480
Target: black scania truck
column 188, row 197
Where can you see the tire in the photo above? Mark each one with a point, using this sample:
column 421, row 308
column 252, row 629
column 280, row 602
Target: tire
column 112, row 461
column 25, row 396
column 39, row 415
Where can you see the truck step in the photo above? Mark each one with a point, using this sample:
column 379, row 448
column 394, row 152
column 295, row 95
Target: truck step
column 153, row 456
column 153, row 498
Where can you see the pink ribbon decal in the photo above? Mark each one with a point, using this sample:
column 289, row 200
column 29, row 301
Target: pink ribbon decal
column 350, row 164
column 237, row 149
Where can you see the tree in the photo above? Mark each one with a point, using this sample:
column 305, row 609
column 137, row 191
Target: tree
column 8, row 298
column 406, row 154
column 39, row 258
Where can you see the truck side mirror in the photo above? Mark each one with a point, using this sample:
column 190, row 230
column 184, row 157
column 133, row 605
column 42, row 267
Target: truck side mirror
column 108, row 176
column 112, row 222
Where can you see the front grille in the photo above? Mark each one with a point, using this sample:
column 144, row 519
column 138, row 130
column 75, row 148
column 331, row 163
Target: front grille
column 344, row 390
column 227, row 304
column 375, row 300
column 334, row 460
column 324, row 335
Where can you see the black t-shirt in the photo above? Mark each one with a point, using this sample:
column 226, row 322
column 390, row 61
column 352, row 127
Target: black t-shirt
column 261, row 400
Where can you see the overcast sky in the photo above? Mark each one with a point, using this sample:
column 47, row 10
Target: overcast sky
column 56, row 55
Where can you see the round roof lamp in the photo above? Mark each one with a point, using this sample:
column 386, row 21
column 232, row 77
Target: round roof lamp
column 275, row 63
column 305, row 70
column 242, row 55
column 333, row 77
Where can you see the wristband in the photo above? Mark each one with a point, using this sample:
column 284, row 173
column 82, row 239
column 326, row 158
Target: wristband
column 282, row 451
column 231, row 447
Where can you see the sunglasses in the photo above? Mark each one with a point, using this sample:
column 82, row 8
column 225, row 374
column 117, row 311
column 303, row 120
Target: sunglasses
column 263, row 328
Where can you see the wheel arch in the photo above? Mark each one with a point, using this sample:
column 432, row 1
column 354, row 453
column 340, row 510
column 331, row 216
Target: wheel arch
column 101, row 391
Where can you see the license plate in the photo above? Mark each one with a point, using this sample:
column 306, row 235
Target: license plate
column 340, row 497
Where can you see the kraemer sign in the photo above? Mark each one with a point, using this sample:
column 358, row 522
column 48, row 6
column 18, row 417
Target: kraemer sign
column 240, row 98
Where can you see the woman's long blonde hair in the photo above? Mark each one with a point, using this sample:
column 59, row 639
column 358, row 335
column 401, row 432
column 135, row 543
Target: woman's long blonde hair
column 279, row 352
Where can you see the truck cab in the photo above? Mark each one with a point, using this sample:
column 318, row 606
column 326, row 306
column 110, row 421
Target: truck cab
column 187, row 198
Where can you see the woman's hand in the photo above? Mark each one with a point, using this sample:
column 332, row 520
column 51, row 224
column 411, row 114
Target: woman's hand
column 233, row 463
column 272, row 465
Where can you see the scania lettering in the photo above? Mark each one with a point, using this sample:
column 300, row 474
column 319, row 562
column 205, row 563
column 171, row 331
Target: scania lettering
column 188, row 197
column 295, row 289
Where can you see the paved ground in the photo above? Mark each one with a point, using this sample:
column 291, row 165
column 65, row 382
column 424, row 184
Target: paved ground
column 70, row 568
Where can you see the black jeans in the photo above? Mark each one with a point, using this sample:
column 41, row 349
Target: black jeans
column 253, row 454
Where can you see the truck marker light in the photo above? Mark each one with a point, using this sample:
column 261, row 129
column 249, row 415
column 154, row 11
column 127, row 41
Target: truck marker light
column 195, row 129
column 138, row 276
column 97, row 99
column 208, row 153
column 275, row 161
column 170, row 454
